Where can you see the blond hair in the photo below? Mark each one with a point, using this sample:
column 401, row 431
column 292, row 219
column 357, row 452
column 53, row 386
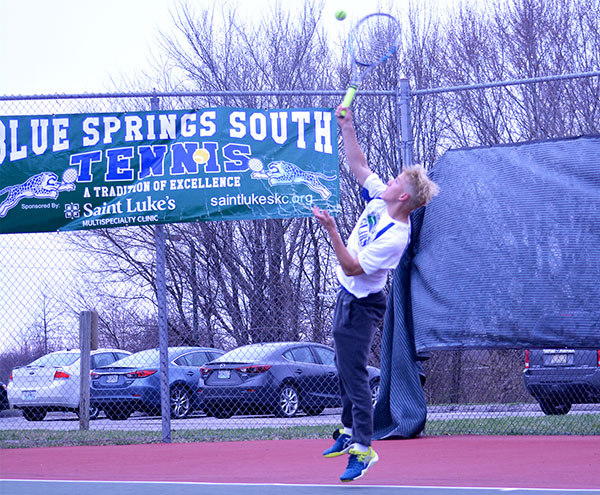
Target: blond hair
column 423, row 187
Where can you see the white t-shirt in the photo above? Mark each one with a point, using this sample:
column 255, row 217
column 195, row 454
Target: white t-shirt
column 377, row 240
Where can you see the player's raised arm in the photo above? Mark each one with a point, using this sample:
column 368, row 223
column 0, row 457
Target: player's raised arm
column 356, row 158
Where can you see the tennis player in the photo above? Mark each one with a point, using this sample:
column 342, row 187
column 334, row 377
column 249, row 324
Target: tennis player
column 375, row 247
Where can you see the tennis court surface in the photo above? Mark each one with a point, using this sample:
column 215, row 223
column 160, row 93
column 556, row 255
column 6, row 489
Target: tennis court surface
column 446, row 465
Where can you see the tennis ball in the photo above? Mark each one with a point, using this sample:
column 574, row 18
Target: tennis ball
column 340, row 15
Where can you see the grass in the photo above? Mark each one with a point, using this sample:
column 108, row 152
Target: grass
column 55, row 438
column 581, row 424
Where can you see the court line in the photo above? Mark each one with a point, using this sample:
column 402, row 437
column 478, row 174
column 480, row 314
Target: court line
column 66, row 487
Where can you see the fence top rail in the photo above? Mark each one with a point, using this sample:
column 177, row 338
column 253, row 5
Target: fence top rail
column 533, row 80
column 323, row 92
column 170, row 94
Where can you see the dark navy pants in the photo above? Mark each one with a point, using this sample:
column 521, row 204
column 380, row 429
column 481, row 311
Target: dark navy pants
column 354, row 324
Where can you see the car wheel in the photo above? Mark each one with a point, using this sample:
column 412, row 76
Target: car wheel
column 34, row 413
column 554, row 408
column 288, row 402
column 117, row 413
column 181, row 403
column 375, row 391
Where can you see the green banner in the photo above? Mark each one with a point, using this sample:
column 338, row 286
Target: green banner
column 87, row 171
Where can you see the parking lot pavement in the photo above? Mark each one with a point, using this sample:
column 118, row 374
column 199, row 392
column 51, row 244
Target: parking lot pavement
column 13, row 420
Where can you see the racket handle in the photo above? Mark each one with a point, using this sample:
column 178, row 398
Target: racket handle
column 348, row 98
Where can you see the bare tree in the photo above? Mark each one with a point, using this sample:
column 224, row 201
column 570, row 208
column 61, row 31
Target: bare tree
column 50, row 331
column 514, row 40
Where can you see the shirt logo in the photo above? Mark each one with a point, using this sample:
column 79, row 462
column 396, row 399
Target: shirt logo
column 366, row 228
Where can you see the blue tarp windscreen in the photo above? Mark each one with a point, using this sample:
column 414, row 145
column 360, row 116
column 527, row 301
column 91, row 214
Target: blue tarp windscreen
column 506, row 256
column 508, row 253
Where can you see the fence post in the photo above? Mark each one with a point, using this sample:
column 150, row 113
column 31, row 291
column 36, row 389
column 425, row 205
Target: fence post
column 94, row 331
column 86, row 319
column 406, row 137
column 195, row 331
column 163, row 330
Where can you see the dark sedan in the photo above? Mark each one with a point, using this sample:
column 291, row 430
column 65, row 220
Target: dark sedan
column 559, row 378
column 133, row 383
column 281, row 378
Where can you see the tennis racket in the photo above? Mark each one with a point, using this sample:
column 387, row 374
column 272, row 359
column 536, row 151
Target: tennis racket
column 373, row 40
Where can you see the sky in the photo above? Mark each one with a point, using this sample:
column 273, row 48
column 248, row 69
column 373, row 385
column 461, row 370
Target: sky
column 81, row 46
column 74, row 46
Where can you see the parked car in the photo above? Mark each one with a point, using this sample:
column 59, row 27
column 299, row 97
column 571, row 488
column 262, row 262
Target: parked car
column 133, row 383
column 4, row 404
column 281, row 378
column 52, row 382
column 559, row 378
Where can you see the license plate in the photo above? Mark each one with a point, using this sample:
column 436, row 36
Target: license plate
column 112, row 378
column 559, row 359
column 28, row 394
column 224, row 374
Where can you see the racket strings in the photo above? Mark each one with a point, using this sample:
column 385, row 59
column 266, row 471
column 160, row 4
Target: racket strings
column 374, row 39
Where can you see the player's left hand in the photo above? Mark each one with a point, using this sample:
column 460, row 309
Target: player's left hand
column 324, row 218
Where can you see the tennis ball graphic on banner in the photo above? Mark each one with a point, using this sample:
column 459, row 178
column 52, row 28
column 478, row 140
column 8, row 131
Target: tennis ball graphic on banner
column 340, row 15
column 201, row 156
column 69, row 176
column 255, row 164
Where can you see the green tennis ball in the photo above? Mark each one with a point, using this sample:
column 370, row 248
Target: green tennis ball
column 340, row 15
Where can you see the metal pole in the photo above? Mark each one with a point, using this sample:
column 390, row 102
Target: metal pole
column 85, row 343
column 94, row 336
column 163, row 330
column 406, row 137
column 195, row 334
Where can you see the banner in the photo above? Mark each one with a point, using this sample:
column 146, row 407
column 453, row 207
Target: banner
column 87, row 171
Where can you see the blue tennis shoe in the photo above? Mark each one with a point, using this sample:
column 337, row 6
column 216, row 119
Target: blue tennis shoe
column 358, row 463
column 341, row 446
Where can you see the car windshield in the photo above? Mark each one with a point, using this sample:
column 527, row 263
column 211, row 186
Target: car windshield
column 56, row 359
column 247, row 354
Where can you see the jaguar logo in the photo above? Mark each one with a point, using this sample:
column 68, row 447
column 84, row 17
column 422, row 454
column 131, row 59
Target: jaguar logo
column 44, row 185
column 286, row 173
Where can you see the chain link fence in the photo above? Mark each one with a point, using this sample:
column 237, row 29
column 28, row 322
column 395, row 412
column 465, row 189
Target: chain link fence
column 249, row 307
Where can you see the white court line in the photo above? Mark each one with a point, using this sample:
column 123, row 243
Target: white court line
column 315, row 485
